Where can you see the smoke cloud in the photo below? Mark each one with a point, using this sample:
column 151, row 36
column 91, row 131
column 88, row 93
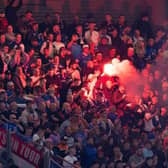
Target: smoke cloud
column 132, row 80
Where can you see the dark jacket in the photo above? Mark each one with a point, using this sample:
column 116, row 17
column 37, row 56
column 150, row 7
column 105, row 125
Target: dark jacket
column 11, row 12
column 1, row 65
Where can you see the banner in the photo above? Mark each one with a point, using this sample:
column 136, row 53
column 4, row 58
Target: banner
column 21, row 149
column 3, row 137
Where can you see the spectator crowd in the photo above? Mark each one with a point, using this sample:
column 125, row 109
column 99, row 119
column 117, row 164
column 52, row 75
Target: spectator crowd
column 54, row 96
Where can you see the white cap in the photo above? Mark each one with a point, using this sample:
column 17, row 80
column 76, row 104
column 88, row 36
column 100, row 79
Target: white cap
column 35, row 138
column 10, row 83
column 85, row 46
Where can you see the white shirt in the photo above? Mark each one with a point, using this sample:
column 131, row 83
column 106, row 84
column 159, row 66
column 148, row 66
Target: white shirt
column 76, row 76
column 35, row 80
column 21, row 45
column 149, row 125
column 58, row 46
column 36, row 137
column 10, row 37
column 25, row 114
column 92, row 37
column 136, row 39
column 70, row 160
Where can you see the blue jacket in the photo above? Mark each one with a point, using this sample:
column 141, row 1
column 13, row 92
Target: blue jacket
column 90, row 154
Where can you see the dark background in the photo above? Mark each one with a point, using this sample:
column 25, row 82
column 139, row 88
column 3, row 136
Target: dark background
column 158, row 9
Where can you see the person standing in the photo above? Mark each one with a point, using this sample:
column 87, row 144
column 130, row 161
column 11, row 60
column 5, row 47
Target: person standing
column 11, row 11
column 92, row 36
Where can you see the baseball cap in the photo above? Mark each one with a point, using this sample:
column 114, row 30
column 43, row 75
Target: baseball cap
column 85, row 46
column 36, row 138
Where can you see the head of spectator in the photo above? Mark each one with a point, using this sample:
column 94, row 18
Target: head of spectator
column 57, row 17
column 13, row 107
column 157, row 75
column 151, row 42
column 119, row 164
column 46, row 52
column 18, row 38
column 74, row 38
column 127, row 31
column 99, row 57
column 67, row 108
column 79, row 29
column 108, row 18
column 72, row 151
column 10, row 29
column 38, row 138
column 50, row 37
column 130, row 52
column 35, row 27
column 121, row 20
column 10, row 86
column 3, row 95
column 38, row 63
column 85, row 49
column 137, row 33
column 149, row 162
column 49, row 144
column 58, row 38
column 28, row 16
column 56, row 29
column 113, row 52
column 92, row 25
column 95, row 164
column 2, row 39
column 145, row 17
column 3, row 22
column 13, row 119
column 117, row 154
column 6, row 49
column 104, row 41
column 48, row 18
column 31, row 52
column 114, row 33
column 139, row 151
column 2, row 107
column 36, row 72
column 76, row 19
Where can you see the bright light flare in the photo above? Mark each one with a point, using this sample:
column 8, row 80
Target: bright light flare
column 115, row 61
column 110, row 70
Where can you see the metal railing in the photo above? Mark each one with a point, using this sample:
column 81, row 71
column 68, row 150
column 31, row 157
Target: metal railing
column 59, row 160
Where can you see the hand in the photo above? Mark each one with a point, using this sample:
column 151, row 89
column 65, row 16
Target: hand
column 55, row 119
column 124, row 96
column 32, row 65
column 73, row 39
column 68, row 62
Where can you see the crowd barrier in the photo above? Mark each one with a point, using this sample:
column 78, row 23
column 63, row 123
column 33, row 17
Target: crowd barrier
column 53, row 163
